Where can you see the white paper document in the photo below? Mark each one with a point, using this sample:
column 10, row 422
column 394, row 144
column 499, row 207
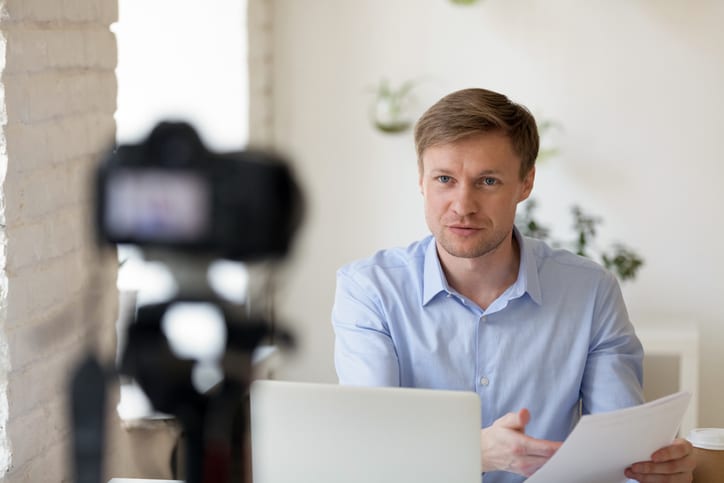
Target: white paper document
column 602, row 446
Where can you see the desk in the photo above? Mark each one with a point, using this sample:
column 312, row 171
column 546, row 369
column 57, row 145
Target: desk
column 141, row 480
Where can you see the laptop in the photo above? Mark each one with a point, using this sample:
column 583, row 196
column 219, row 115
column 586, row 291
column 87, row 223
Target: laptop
column 327, row 433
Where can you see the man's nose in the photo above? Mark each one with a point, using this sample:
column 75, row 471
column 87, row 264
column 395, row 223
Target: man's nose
column 464, row 202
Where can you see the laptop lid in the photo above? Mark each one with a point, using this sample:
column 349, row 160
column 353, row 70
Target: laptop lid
column 328, row 433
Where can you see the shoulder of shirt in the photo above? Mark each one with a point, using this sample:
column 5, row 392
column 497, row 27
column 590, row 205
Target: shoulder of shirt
column 561, row 260
column 409, row 258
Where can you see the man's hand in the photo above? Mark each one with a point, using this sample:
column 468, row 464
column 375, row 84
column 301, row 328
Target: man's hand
column 671, row 464
column 505, row 446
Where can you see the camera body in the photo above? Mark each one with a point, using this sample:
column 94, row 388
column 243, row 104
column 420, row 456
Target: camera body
column 170, row 192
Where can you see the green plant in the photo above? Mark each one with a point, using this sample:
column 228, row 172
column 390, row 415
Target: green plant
column 618, row 258
column 391, row 107
column 546, row 128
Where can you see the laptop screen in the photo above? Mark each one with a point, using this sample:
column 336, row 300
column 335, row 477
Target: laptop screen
column 328, row 433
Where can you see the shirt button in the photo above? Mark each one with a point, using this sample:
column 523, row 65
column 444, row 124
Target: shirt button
column 449, row 295
column 484, row 381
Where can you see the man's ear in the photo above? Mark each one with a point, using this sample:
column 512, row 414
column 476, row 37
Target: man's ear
column 528, row 182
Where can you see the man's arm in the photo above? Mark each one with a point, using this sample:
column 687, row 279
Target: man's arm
column 613, row 375
column 364, row 353
column 505, row 447
column 613, row 379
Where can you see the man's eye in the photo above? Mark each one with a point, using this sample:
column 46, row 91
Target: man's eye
column 444, row 179
column 490, row 181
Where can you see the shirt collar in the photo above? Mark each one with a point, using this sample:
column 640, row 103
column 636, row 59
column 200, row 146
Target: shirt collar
column 433, row 281
column 528, row 279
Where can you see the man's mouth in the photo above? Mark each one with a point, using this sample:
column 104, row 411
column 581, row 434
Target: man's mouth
column 464, row 230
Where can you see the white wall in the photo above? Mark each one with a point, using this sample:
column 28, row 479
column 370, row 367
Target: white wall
column 636, row 85
column 183, row 60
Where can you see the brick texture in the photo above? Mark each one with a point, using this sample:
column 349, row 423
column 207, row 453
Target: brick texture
column 103, row 12
column 261, row 71
column 58, row 295
column 57, row 289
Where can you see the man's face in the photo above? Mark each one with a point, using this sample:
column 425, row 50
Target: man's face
column 471, row 189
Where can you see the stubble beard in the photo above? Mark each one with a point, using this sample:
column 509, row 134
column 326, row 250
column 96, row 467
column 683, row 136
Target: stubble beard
column 483, row 247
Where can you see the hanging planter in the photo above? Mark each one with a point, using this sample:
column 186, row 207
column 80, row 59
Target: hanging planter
column 392, row 107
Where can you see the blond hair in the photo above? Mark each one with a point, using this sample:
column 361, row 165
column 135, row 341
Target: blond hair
column 473, row 111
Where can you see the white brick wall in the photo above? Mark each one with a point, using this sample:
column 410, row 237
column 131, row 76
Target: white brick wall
column 59, row 292
column 261, row 71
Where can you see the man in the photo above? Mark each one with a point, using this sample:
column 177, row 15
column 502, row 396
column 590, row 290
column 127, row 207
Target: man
column 540, row 334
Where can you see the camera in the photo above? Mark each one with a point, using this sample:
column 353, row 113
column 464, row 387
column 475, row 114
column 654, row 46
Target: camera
column 170, row 192
column 188, row 207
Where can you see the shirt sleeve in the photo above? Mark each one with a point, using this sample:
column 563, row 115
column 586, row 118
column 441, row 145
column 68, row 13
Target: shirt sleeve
column 364, row 352
column 612, row 377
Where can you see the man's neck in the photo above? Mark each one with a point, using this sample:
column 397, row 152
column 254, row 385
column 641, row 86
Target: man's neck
column 485, row 278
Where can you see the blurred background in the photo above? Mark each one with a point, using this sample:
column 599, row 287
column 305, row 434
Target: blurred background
column 635, row 88
column 632, row 90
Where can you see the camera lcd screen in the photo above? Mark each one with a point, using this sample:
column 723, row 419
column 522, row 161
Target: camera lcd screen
column 153, row 205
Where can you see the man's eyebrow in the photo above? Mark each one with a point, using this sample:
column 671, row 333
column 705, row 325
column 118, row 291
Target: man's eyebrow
column 487, row 172
column 440, row 171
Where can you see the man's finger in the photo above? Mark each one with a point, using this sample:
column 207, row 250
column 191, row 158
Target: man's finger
column 523, row 418
column 666, row 468
column 681, row 465
column 541, row 447
column 676, row 450
column 657, row 477
column 517, row 421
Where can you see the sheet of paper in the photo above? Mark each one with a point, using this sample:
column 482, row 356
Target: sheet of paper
column 602, row 446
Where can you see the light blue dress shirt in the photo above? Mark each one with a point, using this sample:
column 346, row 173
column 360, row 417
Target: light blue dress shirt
column 558, row 341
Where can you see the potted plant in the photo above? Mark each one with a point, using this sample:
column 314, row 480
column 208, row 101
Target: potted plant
column 620, row 259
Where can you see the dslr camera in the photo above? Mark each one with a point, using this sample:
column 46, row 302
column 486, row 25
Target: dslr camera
column 186, row 206
column 170, row 192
